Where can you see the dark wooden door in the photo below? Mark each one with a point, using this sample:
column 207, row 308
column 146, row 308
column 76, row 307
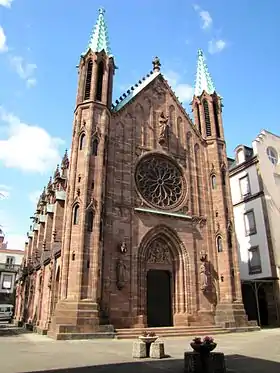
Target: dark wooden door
column 159, row 304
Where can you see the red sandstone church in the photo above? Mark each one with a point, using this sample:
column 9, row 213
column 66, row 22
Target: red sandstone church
column 136, row 229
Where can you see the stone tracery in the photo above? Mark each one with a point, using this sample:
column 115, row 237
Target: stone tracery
column 160, row 182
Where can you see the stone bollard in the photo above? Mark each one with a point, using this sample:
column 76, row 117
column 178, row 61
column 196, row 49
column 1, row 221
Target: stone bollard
column 139, row 350
column 157, row 350
column 212, row 363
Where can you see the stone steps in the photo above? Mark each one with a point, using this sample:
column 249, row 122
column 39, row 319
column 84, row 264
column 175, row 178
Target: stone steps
column 80, row 336
column 172, row 331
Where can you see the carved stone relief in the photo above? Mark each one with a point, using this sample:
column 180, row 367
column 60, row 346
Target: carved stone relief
column 159, row 253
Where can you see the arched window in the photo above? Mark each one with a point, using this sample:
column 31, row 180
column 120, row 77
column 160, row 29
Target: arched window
column 88, row 81
column 223, row 177
column 90, row 217
column 272, row 155
column 198, row 118
column 219, row 244
column 110, row 84
column 216, row 118
column 101, row 230
column 229, row 236
column 207, row 118
column 82, row 141
column 76, row 215
column 94, row 147
column 213, row 182
column 99, row 83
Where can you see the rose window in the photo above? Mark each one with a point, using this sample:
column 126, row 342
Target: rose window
column 160, row 181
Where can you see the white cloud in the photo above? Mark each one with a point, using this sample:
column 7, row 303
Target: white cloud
column 14, row 239
column 216, row 46
column 4, row 191
column 4, row 194
column 29, row 148
column 183, row 90
column 6, row 187
column 3, row 43
column 34, row 196
column 24, row 70
column 6, row 3
column 205, row 16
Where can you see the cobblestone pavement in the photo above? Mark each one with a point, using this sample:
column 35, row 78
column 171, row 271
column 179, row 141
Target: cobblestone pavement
column 22, row 352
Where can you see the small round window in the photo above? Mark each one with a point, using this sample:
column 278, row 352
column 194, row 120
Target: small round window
column 272, row 155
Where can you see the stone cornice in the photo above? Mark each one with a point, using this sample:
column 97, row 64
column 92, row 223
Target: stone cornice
column 243, row 166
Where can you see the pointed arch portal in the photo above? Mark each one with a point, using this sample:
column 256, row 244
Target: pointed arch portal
column 164, row 288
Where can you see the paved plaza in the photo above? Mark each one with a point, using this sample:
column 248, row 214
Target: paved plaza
column 20, row 352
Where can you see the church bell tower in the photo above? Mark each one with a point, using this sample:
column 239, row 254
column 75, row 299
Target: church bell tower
column 77, row 309
column 207, row 110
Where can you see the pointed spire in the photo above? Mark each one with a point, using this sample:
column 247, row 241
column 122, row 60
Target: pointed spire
column 49, row 186
column 99, row 38
column 65, row 161
column 203, row 80
column 56, row 172
column 43, row 195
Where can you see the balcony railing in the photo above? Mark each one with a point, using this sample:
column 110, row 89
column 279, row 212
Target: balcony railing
column 9, row 267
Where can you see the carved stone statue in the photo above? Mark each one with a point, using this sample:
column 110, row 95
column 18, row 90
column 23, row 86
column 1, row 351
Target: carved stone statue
column 123, row 248
column 121, row 274
column 164, row 130
column 203, row 277
column 159, row 253
column 203, row 256
column 203, row 270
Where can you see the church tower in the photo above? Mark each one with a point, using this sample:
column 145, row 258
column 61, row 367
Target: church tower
column 207, row 110
column 77, row 310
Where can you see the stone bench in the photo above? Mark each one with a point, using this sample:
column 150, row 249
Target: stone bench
column 215, row 363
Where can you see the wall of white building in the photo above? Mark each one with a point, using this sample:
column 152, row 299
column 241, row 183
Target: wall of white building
column 246, row 242
column 270, row 174
column 8, row 270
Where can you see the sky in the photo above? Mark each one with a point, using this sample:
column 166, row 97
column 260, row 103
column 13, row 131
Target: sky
column 40, row 46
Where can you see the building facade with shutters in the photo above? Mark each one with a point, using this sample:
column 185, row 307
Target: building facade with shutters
column 143, row 200
column 255, row 189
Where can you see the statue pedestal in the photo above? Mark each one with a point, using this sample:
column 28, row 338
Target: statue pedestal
column 212, row 363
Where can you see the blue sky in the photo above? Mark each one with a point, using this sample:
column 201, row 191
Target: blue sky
column 40, row 45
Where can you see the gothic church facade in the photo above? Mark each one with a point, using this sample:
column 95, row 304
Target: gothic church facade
column 136, row 229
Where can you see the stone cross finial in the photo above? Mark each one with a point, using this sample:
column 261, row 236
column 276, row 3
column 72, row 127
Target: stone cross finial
column 156, row 64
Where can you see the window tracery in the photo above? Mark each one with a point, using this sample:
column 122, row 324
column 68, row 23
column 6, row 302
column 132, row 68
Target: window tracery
column 160, row 181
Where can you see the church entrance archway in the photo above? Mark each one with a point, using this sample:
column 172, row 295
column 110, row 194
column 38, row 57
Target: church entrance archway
column 163, row 280
column 159, row 299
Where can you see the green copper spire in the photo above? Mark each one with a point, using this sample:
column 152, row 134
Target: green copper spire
column 99, row 39
column 203, row 80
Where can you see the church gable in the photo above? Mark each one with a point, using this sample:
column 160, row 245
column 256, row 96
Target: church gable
column 159, row 120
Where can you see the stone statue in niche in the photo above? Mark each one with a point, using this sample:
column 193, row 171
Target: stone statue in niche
column 121, row 274
column 164, row 130
column 159, row 253
column 203, row 271
column 203, row 277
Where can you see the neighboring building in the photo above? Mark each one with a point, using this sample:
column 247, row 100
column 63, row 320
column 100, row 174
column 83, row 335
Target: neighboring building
column 255, row 189
column 10, row 262
column 145, row 200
